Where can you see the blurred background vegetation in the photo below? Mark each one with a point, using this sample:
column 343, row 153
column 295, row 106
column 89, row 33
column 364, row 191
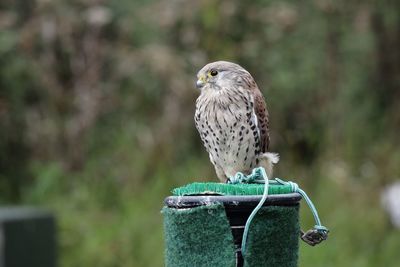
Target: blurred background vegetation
column 97, row 103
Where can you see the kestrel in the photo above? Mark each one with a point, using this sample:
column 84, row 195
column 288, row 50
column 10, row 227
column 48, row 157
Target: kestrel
column 232, row 120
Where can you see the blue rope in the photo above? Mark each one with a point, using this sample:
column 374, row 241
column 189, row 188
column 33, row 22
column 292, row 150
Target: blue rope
column 259, row 175
column 295, row 188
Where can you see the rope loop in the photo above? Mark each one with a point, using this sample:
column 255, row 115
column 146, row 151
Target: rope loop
column 256, row 177
column 312, row 237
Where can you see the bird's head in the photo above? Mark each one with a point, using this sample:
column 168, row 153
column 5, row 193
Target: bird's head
column 221, row 75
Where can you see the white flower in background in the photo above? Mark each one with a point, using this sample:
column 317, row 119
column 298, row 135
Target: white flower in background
column 390, row 200
column 98, row 15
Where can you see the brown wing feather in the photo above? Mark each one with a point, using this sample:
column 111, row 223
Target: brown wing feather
column 260, row 109
column 263, row 119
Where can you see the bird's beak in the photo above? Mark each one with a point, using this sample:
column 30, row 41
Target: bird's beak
column 200, row 82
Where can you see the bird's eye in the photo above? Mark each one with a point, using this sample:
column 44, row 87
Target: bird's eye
column 213, row 72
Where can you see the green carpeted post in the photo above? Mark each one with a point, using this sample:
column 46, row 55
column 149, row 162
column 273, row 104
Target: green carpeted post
column 198, row 236
column 204, row 224
column 250, row 221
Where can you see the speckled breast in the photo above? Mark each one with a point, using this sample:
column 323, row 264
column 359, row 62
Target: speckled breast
column 228, row 128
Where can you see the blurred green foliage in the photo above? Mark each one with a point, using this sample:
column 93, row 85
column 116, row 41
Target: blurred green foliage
column 97, row 99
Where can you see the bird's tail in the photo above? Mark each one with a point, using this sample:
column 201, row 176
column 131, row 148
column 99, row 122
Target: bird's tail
column 267, row 160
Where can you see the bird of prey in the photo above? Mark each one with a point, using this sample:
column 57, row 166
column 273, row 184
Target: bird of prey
column 232, row 120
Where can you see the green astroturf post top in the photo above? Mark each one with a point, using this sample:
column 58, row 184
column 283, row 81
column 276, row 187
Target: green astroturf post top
column 230, row 189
